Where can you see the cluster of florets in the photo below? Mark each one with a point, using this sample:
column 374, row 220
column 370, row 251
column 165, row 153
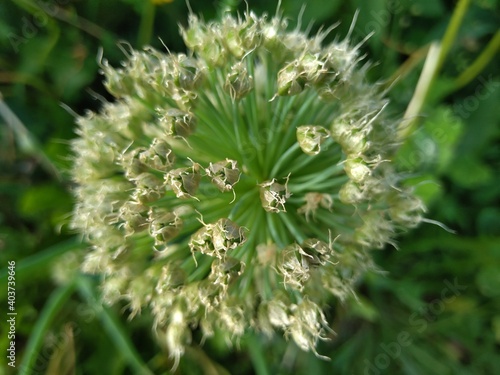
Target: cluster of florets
column 240, row 186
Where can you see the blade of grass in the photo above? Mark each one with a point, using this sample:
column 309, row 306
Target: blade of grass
column 51, row 308
column 472, row 71
column 27, row 143
column 451, row 32
column 113, row 328
column 423, row 86
column 40, row 260
column 256, row 356
column 433, row 64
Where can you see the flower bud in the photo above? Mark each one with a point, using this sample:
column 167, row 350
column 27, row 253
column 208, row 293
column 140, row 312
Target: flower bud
column 356, row 170
column 350, row 193
column 177, row 336
column 240, row 37
column 277, row 313
column 406, row 211
column 291, row 79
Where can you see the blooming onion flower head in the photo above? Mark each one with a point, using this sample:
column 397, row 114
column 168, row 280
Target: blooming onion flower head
column 212, row 188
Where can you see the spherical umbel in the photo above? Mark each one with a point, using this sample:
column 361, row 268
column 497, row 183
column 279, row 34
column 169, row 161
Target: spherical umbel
column 211, row 189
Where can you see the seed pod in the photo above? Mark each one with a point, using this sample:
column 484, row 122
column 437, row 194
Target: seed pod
column 310, row 138
column 224, row 174
column 131, row 163
column 273, row 195
column 291, row 79
column 158, row 156
column 278, row 312
column 357, row 170
column 133, row 215
column 184, row 181
column 225, row 271
column 241, row 36
column 164, row 225
column 229, row 234
column 350, row 193
column 293, row 267
column 188, row 74
column 238, row 82
column 315, row 252
column 177, row 122
column 218, row 238
column 171, row 277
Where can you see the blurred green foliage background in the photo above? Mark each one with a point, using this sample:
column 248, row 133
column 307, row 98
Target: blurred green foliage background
column 436, row 310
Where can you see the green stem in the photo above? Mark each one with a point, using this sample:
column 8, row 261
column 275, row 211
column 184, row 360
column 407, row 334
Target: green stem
column 27, row 143
column 433, row 64
column 292, row 226
column 317, row 186
column 284, row 157
column 51, row 308
column 256, row 355
column 421, row 92
column 299, row 119
column 322, row 173
column 202, row 269
column 237, row 124
column 276, row 230
column 480, row 63
column 451, row 32
column 147, row 23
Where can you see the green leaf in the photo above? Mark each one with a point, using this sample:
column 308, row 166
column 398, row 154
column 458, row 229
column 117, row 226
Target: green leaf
column 363, row 308
column 432, row 145
column 51, row 199
column 488, row 281
column 469, row 172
